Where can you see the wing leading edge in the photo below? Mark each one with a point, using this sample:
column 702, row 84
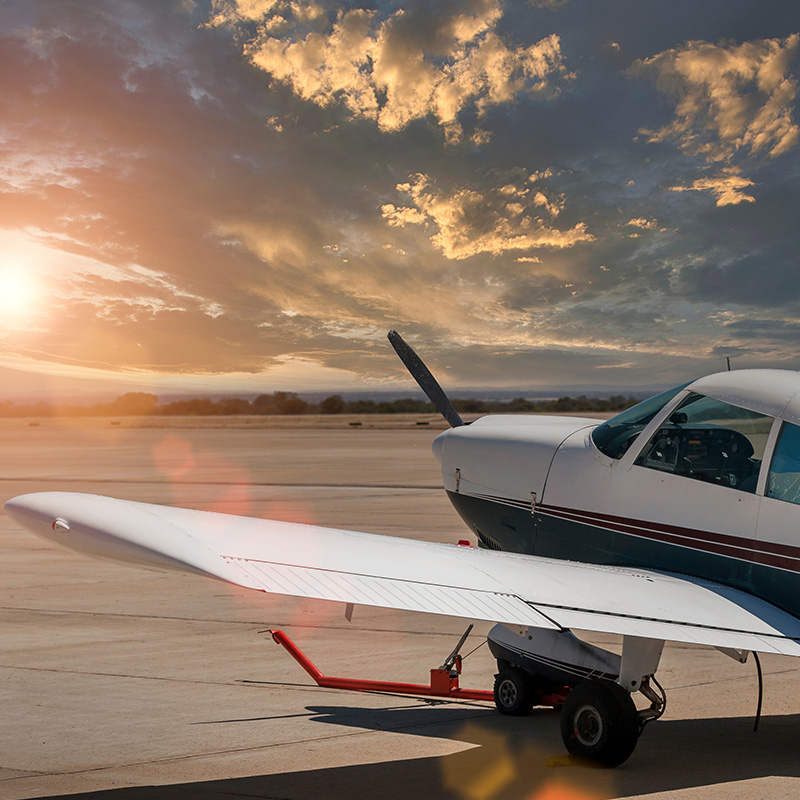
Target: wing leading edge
column 368, row 569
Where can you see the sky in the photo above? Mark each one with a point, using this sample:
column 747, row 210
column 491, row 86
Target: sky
column 246, row 195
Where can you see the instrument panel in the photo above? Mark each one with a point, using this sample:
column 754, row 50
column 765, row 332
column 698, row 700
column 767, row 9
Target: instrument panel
column 708, row 453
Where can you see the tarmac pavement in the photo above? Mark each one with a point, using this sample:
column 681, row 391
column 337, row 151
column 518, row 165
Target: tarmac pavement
column 121, row 683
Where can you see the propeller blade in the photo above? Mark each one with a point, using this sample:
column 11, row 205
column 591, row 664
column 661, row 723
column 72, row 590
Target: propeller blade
column 422, row 375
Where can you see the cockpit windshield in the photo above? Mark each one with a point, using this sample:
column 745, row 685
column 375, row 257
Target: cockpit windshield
column 616, row 435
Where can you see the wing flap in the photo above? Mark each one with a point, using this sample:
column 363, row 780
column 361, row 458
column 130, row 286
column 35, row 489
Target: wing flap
column 370, row 590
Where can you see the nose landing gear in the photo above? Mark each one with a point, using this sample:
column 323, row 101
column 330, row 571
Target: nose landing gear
column 513, row 692
column 517, row 691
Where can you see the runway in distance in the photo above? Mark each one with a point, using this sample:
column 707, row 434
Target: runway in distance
column 676, row 520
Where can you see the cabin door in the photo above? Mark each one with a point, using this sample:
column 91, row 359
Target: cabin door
column 777, row 547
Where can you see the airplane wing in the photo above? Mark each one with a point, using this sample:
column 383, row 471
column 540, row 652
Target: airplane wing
column 373, row 570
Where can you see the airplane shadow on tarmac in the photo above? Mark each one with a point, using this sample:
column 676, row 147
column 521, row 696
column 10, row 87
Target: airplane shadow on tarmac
column 512, row 759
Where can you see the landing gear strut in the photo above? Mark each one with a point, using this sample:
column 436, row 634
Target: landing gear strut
column 599, row 720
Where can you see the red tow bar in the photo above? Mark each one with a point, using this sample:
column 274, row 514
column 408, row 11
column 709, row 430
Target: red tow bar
column 444, row 682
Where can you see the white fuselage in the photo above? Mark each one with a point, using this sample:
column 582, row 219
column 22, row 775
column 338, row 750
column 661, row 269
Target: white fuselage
column 541, row 485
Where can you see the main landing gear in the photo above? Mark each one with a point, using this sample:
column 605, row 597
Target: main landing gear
column 599, row 720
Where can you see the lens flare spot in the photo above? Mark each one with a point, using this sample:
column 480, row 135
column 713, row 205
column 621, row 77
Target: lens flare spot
column 173, row 457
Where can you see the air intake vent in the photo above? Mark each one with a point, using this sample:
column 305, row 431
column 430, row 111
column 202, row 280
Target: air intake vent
column 486, row 541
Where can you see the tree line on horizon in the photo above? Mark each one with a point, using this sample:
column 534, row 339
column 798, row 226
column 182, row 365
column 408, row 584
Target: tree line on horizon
column 287, row 403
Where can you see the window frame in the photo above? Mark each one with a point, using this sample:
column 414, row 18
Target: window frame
column 626, row 462
column 676, row 390
column 725, row 408
column 646, row 434
column 769, row 453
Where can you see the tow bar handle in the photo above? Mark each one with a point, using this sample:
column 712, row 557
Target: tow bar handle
column 443, row 682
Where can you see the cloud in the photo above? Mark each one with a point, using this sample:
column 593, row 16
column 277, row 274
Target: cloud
column 196, row 215
column 727, row 187
column 469, row 221
column 237, row 11
column 728, row 97
column 400, row 217
column 643, row 224
column 425, row 62
column 734, row 106
column 757, row 339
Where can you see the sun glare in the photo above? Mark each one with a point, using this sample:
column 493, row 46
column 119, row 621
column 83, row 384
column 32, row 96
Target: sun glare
column 17, row 290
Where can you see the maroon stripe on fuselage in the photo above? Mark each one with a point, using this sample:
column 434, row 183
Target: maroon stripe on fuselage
column 686, row 539
column 659, row 527
column 768, row 553
column 771, row 554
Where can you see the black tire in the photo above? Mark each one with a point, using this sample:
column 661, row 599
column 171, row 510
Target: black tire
column 599, row 722
column 513, row 692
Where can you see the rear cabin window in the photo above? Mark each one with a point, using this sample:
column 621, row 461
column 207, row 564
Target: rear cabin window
column 615, row 436
column 783, row 480
column 708, row 440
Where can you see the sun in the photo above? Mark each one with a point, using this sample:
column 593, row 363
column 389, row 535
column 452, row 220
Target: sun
column 17, row 290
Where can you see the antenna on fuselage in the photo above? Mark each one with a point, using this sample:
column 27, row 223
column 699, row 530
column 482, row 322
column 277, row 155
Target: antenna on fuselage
column 728, row 359
column 422, row 375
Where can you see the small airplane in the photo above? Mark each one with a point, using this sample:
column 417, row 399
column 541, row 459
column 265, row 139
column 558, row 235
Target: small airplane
column 676, row 520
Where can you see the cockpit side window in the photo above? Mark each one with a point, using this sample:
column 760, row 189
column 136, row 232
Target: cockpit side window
column 708, row 440
column 615, row 436
column 783, row 480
